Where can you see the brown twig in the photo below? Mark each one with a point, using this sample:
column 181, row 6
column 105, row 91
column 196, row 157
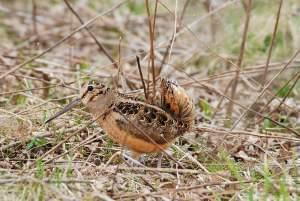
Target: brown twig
column 272, row 44
column 142, row 78
column 166, row 54
column 239, row 63
column 174, row 32
column 120, row 71
column 151, row 36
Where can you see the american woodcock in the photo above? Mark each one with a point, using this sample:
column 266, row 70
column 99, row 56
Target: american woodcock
column 140, row 126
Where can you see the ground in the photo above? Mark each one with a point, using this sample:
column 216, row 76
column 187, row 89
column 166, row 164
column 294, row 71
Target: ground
column 238, row 60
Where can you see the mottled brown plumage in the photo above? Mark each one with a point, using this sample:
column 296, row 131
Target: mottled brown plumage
column 141, row 127
column 177, row 103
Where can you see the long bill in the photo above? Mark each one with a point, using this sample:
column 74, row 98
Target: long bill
column 65, row 109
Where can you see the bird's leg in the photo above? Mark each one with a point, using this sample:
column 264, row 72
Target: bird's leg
column 133, row 158
column 160, row 156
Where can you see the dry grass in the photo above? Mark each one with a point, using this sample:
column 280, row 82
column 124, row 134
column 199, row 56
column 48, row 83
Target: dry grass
column 243, row 79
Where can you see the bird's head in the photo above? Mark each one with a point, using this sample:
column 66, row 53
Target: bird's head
column 93, row 95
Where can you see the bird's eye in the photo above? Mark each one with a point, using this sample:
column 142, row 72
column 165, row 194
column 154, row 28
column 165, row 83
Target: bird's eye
column 90, row 88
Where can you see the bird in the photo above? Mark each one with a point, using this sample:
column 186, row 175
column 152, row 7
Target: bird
column 134, row 123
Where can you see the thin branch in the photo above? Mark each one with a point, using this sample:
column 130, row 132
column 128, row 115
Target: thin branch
column 272, row 44
column 142, row 78
column 154, row 17
column 240, row 60
column 166, row 54
column 120, row 71
column 174, row 32
column 151, row 36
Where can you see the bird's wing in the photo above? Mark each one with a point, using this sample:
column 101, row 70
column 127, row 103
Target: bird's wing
column 146, row 122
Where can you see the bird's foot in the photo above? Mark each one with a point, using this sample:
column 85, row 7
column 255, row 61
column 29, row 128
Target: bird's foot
column 133, row 158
